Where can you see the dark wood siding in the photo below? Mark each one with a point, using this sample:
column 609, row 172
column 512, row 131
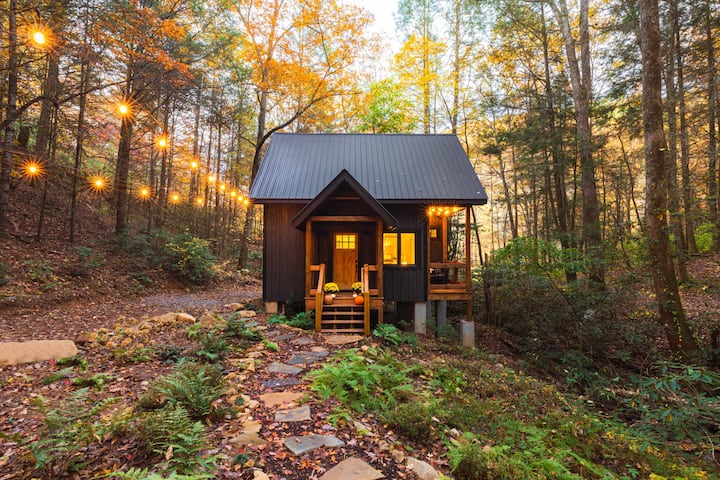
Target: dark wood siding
column 408, row 284
column 283, row 256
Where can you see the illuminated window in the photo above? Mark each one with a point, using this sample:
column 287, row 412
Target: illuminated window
column 345, row 242
column 407, row 249
column 399, row 248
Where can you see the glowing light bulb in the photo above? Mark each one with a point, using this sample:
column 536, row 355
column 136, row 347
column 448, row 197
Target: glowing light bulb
column 39, row 38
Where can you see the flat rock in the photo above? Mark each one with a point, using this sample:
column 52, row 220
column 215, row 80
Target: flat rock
column 260, row 475
column 246, row 314
column 302, row 341
column 281, row 398
column 185, row 318
column 247, row 438
column 307, row 357
column 286, row 336
column 252, row 426
column 281, row 382
column 343, row 339
column 352, row 469
column 307, row 443
column 277, row 367
column 14, row 353
column 422, row 469
column 299, row 414
column 234, row 306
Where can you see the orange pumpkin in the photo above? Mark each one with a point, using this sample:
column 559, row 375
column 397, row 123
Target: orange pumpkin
column 359, row 300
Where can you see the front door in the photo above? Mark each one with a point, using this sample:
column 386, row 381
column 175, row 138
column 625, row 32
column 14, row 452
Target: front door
column 345, row 257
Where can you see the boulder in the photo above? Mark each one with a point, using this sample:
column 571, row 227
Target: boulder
column 14, row 353
column 423, row 470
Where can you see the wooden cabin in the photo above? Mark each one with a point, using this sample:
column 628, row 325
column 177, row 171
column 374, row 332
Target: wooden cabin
column 389, row 211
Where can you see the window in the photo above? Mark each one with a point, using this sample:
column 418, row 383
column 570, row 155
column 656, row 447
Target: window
column 344, row 242
column 399, row 248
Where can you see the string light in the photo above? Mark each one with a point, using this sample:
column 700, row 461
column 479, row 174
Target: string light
column 211, row 179
column 39, row 38
column 144, row 192
column 32, row 169
column 98, row 183
column 194, row 164
column 199, row 201
column 444, row 211
column 175, row 198
column 162, row 142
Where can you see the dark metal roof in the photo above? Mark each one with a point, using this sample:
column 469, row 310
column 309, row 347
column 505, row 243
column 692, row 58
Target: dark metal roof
column 392, row 168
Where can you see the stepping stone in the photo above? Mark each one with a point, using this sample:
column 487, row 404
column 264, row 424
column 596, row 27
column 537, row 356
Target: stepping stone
column 299, row 414
column 282, row 338
column 352, row 469
column 272, row 333
column 318, row 349
column 303, row 341
column 277, row 367
column 280, row 398
column 343, row 339
column 307, row 443
column 281, row 382
column 307, row 357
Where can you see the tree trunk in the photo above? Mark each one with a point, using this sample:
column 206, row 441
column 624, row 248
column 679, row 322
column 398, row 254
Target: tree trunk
column 122, row 170
column 581, row 85
column 672, row 317
column 6, row 158
column 508, row 199
column 687, row 195
column 676, row 214
column 712, row 138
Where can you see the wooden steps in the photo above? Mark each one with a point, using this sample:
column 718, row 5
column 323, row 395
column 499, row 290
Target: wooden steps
column 343, row 316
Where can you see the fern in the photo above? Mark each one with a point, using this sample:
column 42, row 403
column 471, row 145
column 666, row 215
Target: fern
column 72, row 426
column 172, row 434
column 146, row 474
column 193, row 386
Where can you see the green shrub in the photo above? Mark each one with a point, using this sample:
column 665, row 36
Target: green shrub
column 415, row 421
column 193, row 386
column 96, row 381
column 89, row 258
column 392, row 335
column 704, row 237
column 304, row 320
column 5, row 277
column 172, row 434
column 189, row 258
column 213, row 348
column 680, row 403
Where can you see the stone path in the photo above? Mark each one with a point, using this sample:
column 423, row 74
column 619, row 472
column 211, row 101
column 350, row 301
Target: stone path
column 299, row 354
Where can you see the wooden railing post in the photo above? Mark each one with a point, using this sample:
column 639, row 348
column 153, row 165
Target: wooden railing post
column 319, row 293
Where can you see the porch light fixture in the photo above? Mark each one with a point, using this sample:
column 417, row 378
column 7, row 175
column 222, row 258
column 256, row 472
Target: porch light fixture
column 443, row 211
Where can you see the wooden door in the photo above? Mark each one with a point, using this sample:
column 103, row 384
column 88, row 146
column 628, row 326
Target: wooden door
column 345, row 257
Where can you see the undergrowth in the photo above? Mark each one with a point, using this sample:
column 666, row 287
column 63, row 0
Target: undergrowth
column 496, row 424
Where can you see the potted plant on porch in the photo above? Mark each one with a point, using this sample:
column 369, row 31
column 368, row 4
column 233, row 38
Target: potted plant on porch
column 358, row 299
column 331, row 289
